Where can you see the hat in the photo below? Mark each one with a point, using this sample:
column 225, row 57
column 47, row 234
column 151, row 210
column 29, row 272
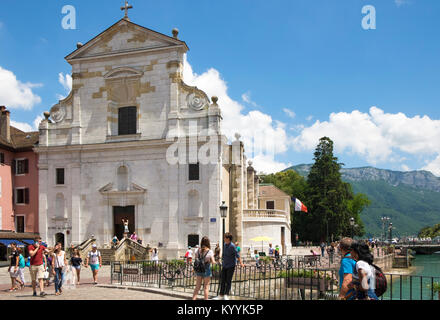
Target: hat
column 189, row 247
column 94, row 245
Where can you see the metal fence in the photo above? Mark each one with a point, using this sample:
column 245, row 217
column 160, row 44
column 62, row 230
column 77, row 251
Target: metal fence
column 290, row 278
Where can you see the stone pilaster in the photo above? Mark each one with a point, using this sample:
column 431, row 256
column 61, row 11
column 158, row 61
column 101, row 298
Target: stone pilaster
column 251, row 187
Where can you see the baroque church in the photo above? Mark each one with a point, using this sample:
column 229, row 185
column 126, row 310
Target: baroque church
column 133, row 141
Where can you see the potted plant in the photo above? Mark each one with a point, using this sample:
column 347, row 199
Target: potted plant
column 436, row 288
column 150, row 267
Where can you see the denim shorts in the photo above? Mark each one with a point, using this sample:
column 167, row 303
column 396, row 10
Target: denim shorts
column 205, row 274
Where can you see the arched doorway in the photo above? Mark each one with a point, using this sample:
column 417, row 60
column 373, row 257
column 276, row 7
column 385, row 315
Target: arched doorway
column 59, row 237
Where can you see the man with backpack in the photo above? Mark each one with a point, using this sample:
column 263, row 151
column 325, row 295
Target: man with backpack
column 230, row 257
column 346, row 271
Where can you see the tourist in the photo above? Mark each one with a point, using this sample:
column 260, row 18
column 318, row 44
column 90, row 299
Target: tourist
column 95, row 260
column 21, row 266
column 331, row 252
column 115, row 241
column 155, row 255
column 346, row 271
column 230, row 257
column 47, row 262
column 257, row 258
column 188, row 255
column 238, row 247
column 271, row 251
column 76, row 262
column 59, row 262
column 203, row 270
column 322, row 245
column 37, row 270
column 139, row 240
column 217, row 253
column 364, row 278
column 13, row 266
column 134, row 236
column 277, row 253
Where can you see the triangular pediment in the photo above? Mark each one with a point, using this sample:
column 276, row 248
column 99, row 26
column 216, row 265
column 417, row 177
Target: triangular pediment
column 124, row 37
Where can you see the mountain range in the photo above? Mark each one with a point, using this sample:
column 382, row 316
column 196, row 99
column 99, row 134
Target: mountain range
column 411, row 198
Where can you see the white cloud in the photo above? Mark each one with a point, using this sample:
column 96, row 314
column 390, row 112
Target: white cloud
column 376, row 136
column 405, row 167
column 26, row 127
column 434, row 166
column 401, row 2
column 309, row 118
column 66, row 82
column 262, row 136
column 246, row 97
column 289, row 113
column 16, row 94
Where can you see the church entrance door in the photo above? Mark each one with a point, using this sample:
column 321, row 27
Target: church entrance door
column 126, row 213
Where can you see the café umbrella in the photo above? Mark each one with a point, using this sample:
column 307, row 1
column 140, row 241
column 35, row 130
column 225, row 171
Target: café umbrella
column 262, row 239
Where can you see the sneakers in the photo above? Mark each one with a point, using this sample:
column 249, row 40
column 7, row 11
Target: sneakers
column 35, row 294
column 226, row 297
column 42, row 294
column 219, row 298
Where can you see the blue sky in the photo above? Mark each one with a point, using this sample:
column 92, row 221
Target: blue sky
column 295, row 61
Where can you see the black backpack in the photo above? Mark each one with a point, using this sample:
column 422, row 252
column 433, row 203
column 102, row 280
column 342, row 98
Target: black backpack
column 199, row 263
column 381, row 281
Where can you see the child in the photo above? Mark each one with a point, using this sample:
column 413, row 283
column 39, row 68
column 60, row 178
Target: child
column 364, row 277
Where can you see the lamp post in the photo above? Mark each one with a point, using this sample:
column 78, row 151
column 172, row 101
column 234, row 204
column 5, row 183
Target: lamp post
column 391, row 232
column 352, row 226
column 384, row 221
column 224, row 214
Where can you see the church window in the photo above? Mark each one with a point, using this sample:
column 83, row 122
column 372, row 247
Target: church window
column 194, row 172
column 60, row 176
column 127, row 120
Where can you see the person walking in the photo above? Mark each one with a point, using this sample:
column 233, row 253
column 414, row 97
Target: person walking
column 59, row 262
column 364, row 278
column 188, row 255
column 48, row 267
column 204, row 257
column 76, row 262
column 155, row 255
column 36, row 252
column 13, row 266
column 21, row 266
column 95, row 260
column 322, row 245
column 346, row 270
column 217, row 253
column 230, row 257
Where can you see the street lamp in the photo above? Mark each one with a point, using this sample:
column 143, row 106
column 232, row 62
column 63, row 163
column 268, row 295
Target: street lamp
column 224, row 214
column 352, row 225
column 391, row 232
column 384, row 221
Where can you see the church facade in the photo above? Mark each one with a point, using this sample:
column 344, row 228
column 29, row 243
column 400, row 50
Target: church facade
column 133, row 141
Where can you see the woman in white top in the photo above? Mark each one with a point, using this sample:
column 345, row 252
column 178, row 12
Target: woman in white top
column 207, row 256
column 364, row 279
column 59, row 261
column 155, row 255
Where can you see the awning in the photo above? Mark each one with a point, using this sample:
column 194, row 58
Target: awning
column 7, row 242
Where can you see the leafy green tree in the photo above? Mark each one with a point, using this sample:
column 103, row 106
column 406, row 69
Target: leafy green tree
column 330, row 201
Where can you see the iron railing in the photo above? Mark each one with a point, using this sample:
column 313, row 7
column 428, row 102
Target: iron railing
column 287, row 280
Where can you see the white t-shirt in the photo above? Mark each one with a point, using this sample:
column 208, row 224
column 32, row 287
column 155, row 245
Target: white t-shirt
column 370, row 270
column 190, row 253
column 94, row 257
column 59, row 259
column 208, row 256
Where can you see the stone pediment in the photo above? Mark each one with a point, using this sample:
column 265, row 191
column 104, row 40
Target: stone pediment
column 124, row 37
column 123, row 72
column 133, row 188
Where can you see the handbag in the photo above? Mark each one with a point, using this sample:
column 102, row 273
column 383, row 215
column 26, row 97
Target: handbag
column 46, row 275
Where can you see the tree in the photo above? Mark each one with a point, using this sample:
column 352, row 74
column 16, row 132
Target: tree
column 330, row 201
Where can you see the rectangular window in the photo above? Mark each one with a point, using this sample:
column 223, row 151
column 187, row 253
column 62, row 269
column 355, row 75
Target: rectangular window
column 19, row 227
column 2, row 158
column 60, row 175
column 127, row 119
column 194, row 172
column 21, row 166
column 22, row 196
column 270, row 205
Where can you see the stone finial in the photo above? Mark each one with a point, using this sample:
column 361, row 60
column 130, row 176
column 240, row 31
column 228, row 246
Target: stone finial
column 214, row 99
column 237, row 136
column 250, row 163
column 46, row 115
column 79, row 45
column 175, row 33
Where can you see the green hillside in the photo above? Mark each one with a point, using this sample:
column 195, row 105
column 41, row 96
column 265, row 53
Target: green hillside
column 411, row 199
column 410, row 209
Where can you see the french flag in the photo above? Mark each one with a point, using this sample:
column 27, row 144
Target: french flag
column 299, row 206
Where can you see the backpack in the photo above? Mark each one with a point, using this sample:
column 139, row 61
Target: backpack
column 199, row 264
column 381, row 281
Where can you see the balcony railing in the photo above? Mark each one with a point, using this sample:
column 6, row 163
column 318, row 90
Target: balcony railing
column 265, row 213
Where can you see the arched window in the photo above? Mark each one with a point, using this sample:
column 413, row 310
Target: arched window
column 122, row 178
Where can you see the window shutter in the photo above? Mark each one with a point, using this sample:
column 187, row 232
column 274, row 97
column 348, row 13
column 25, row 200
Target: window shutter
column 13, row 166
column 26, row 166
column 2, row 158
column 26, row 195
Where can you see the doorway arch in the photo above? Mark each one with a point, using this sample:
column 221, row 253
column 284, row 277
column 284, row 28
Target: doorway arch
column 59, row 237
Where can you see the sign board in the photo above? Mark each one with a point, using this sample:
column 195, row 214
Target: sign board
column 117, row 268
column 213, row 219
column 130, row 271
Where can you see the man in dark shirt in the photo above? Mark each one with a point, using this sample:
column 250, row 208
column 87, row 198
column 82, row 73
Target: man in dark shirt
column 13, row 267
column 230, row 257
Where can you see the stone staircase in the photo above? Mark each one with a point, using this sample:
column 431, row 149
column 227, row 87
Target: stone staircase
column 108, row 255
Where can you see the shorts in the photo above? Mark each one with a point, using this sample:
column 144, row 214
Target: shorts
column 13, row 274
column 94, row 267
column 37, row 272
column 77, row 267
column 205, row 274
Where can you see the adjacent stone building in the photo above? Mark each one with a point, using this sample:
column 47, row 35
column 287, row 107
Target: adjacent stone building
column 133, row 141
